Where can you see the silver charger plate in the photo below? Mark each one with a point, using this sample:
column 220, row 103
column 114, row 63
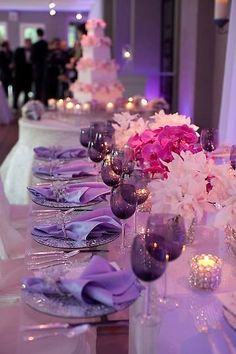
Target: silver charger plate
column 64, row 305
column 60, row 178
column 62, row 205
column 62, row 159
column 67, row 243
column 68, row 306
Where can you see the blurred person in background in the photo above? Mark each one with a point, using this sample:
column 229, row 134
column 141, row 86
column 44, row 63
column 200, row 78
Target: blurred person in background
column 39, row 57
column 54, row 71
column 6, row 58
column 23, row 72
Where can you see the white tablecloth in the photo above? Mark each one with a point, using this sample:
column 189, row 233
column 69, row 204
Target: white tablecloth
column 51, row 130
column 180, row 329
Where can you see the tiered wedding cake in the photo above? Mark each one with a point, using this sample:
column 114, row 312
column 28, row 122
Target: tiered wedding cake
column 97, row 73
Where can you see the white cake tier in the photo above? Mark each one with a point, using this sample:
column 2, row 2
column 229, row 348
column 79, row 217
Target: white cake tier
column 102, row 53
column 88, row 63
column 97, row 32
column 101, row 93
column 99, row 76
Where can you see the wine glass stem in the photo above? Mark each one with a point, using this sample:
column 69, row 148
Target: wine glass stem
column 164, row 297
column 147, row 301
column 135, row 221
column 122, row 235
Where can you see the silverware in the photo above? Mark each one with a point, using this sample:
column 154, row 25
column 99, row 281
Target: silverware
column 69, row 330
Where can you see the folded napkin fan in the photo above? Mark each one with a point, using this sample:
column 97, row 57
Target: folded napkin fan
column 89, row 224
column 71, row 169
column 59, row 152
column 99, row 282
column 80, row 193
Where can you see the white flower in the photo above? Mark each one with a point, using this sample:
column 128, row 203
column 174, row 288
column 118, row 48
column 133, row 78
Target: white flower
column 184, row 192
column 127, row 125
column 162, row 119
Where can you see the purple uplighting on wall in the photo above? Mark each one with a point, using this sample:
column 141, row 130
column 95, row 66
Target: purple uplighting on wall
column 152, row 88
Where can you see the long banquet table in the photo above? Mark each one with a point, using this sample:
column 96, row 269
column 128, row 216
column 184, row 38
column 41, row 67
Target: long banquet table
column 196, row 326
column 180, row 329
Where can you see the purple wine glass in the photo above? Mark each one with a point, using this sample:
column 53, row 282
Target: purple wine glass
column 85, row 137
column 209, row 139
column 168, row 232
column 109, row 177
column 123, row 160
column 134, row 189
column 147, row 268
column 122, row 210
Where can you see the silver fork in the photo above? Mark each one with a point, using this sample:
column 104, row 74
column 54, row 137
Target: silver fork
column 66, row 329
column 41, row 260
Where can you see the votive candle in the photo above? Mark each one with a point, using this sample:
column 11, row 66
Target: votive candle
column 205, row 271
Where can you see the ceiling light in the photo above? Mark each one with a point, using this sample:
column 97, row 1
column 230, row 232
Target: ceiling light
column 79, row 16
column 52, row 5
column 52, row 12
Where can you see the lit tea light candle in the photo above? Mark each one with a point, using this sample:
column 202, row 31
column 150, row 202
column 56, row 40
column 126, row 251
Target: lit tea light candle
column 205, row 271
column 110, row 107
column 86, row 107
column 129, row 106
column 60, row 105
column 77, row 108
column 130, row 99
column 143, row 102
column 52, row 103
column 70, row 107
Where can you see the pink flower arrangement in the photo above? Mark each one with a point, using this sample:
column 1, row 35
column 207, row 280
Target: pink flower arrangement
column 153, row 147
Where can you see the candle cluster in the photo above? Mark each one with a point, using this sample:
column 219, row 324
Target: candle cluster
column 205, row 272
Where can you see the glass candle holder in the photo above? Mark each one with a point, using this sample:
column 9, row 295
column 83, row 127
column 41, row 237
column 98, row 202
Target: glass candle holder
column 205, row 272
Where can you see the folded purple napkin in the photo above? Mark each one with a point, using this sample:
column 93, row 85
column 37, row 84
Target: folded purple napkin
column 70, row 169
column 99, row 282
column 79, row 193
column 89, row 224
column 59, row 152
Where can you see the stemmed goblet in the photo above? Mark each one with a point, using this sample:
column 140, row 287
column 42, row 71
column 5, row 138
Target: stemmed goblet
column 109, row 176
column 122, row 210
column 123, row 160
column 168, row 233
column 147, row 268
column 209, row 139
column 134, row 189
column 85, row 137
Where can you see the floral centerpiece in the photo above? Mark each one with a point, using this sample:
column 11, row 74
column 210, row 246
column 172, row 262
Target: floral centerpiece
column 165, row 135
column 185, row 190
column 127, row 125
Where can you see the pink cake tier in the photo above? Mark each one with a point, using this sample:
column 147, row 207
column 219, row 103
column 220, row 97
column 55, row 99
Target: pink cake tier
column 100, row 93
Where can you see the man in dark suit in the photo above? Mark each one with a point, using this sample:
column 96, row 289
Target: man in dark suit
column 22, row 72
column 39, row 56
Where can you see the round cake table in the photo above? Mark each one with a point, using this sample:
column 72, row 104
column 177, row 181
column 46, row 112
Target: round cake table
column 52, row 129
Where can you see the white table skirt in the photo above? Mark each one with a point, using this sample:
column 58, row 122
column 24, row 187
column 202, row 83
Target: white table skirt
column 16, row 170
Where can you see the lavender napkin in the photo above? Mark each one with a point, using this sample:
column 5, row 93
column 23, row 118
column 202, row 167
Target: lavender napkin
column 59, row 152
column 99, row 282
column 70, row 169
column 89, row 224
column 80, row 193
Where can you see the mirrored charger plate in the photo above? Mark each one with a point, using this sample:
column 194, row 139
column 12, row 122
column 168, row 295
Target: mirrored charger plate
column 60, row 178
column 66, row 306
column 67, row 243
column 62, row 205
